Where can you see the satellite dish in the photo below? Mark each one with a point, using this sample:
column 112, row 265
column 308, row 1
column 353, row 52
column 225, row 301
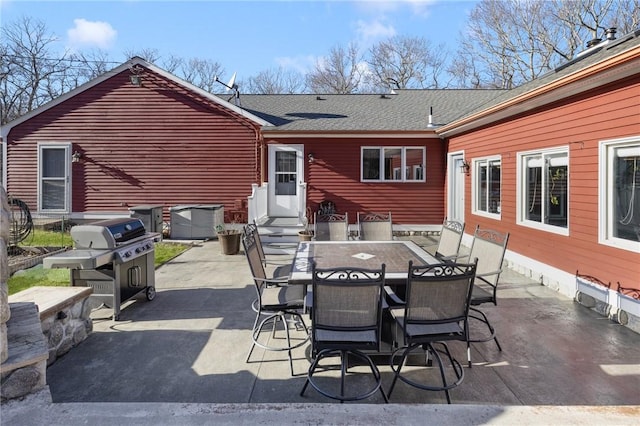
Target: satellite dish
column 232, row 82
column 231, row 86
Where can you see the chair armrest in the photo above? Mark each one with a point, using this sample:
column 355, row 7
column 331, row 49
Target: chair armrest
column 487, row 274
column 272, row 281
column 394, row 297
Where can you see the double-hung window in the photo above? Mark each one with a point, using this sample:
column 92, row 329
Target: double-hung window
column 392, row 164
column 619, row 182
column 486, row 186
column 543, row 190
column 54, row 183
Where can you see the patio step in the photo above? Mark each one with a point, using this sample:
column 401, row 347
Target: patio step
column 279, row 235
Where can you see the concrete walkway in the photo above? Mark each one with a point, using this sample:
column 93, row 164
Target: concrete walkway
column 180, row 359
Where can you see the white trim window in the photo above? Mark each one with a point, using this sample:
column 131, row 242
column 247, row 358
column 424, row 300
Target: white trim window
column 619, row 182
column 486, row 184
column 54, row 183
column 543, row 190
column 384, row 164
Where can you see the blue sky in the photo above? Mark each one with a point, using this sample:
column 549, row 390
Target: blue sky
column 246, row 37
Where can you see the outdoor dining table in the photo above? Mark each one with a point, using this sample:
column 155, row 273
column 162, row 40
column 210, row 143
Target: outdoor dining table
column 358, row 254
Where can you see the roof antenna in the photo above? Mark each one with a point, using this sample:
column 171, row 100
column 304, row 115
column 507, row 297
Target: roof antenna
column 231, row 85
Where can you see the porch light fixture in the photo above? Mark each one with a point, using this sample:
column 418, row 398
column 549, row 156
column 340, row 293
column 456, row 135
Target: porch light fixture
column 135, row 80
column 465, row 167
column 311, row 157
column 76, row 157
column 136, row 75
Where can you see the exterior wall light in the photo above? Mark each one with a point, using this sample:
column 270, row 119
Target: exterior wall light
column 311, row 157
column 465, row 167
column 76, row 157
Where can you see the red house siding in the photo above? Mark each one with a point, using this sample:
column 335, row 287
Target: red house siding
column 155, row 144
column 579, row 123
column 335, row 176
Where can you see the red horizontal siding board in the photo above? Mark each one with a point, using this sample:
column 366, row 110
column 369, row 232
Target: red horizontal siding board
column 580, row 124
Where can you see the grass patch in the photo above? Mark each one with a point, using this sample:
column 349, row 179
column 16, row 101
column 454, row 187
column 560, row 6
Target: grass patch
column 41, row 238
column 38, row 276
column 167, row 251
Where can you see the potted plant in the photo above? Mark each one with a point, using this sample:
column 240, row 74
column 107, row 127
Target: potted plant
column 307, row 233
column 229, row 239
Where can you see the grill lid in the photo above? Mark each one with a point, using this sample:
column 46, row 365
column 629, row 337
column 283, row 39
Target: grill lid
column 107, row 234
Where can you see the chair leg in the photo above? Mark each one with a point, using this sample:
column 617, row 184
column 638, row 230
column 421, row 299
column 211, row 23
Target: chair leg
column 435, row 355
column 485, row 320
column 403, row 358
column 438, row 358
column 344, row 360
column 279, row 316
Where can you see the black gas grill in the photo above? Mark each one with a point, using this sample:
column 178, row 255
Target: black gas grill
column 115, row 257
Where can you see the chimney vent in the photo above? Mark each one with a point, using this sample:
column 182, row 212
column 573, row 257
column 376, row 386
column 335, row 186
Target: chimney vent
column 610, row 33
column 593, row 42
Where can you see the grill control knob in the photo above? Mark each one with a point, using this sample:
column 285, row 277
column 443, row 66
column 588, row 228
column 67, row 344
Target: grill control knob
column 138, row 249
column 127, row 254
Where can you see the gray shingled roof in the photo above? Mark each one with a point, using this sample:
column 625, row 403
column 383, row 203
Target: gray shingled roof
column 407, row 110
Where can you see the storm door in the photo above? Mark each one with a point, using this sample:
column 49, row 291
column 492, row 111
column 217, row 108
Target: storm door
column 286, row 173
column 455, row 191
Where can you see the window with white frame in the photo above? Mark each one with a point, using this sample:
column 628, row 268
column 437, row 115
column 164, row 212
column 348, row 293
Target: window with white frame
column 544, row 189
column 620, row 181
column 53, row 177
column 486, row 185
column 382, row 164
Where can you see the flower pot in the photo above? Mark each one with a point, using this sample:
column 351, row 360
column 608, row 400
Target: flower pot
column 305, row 235
column 229, row 242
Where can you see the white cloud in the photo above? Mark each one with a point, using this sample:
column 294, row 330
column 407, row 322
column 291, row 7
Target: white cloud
column 369, row 32
column 301, row 63
column 91, row 34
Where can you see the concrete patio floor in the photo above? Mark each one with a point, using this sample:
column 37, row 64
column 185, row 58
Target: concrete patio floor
column 186, row 350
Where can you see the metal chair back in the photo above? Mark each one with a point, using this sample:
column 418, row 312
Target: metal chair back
column 347, row 308
column 450, row 239
column 375, row 226
column 435, row 295
column 489, row 247
column 331, row 227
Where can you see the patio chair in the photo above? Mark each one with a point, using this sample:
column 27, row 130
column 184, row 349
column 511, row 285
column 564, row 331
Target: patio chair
column 450, row 238
column 331, row 227
column 275, row 301
column 346, row 320
column 375, row 226
column 488, row 247
column 281, row 270
column 436, row 310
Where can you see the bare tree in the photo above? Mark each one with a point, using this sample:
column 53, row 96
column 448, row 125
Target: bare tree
column 275, row 81
column 407, row 62
column 340, row 72
column 86, row 66
column 29, row 71
column 509, row 42
column 148, row 54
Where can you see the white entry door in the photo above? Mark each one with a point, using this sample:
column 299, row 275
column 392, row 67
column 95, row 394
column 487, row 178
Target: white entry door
column 286, row 173
column 455, row 187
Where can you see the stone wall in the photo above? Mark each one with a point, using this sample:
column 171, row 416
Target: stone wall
column 5, row 313
column 64, row 315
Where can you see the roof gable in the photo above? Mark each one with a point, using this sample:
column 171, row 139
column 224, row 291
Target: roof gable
column 136, row 61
